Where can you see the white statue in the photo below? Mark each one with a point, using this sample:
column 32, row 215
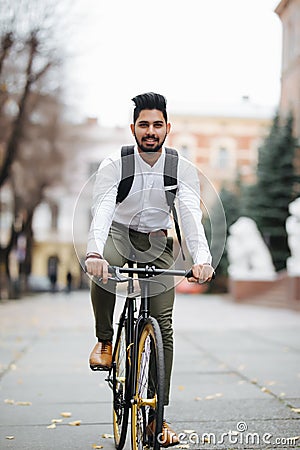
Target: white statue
column 249, row 257
column 293, row 231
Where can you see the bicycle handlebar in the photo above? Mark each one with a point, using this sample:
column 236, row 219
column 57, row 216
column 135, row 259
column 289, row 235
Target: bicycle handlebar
column 149, row 271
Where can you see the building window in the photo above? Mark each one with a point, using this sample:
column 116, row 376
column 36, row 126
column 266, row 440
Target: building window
column 54, row 216
column 223, row 158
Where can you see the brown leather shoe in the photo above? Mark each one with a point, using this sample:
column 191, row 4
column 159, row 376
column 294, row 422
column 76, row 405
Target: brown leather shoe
column 168, row 437
column 101, row 356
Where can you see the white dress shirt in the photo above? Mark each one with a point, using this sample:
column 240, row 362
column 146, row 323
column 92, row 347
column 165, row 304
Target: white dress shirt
column 145, row 209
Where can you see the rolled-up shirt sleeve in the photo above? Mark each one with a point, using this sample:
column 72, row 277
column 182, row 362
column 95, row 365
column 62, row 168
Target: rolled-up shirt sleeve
column 104, row 204
column 191, row 214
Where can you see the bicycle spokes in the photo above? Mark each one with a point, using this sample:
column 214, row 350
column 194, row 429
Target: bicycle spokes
column 120, row 407
column 147, row 402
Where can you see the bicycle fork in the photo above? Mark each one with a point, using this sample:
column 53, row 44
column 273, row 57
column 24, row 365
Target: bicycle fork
column 143, row 316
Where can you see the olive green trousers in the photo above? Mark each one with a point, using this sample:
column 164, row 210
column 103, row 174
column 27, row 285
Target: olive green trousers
column 125, row 244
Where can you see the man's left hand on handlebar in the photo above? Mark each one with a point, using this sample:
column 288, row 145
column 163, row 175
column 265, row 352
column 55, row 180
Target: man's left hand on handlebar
column 202, row 273
column 98, row 267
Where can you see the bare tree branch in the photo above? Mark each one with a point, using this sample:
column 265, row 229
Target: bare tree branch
column 6, row 44
column 30, row 57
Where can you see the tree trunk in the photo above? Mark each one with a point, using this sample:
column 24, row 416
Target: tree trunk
column 25, row 264
column 8, row 287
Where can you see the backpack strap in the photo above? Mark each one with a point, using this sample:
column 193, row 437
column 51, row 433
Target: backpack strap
column 170, row 175
column 128, row 169
column 171, row 187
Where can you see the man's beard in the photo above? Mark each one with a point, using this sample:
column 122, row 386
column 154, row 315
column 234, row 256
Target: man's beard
column 150, row 150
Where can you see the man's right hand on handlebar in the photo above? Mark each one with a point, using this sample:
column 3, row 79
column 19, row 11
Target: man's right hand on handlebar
column 97, row 266
column 202, row 273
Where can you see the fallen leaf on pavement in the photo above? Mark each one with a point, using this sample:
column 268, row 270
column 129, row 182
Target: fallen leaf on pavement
column 97, row 446
column 75, row 423
column 264, row 389
column 52, row 426
column 23, row 403
column 181, row 388
column 296, row 410
column 66, row 414
column 56, row 420
column 8, row 401
column 107, row 436
column 198, row 399
column 9, row 437
column 214, row 396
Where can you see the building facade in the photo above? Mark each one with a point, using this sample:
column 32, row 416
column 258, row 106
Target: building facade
column 223, row 144
column 62, row 221
column 289, row 13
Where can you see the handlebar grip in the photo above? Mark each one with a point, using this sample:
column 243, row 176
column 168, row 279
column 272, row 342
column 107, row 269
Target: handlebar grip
column 189, row 274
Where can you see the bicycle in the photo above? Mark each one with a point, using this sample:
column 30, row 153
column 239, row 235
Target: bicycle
column 136, row 376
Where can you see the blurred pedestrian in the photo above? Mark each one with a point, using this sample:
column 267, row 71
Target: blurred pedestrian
column 52, row 272
column 69, row 281
column 53, row 281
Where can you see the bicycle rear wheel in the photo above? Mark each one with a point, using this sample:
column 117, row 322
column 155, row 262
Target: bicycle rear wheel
column 147, row 408
column 120, row 406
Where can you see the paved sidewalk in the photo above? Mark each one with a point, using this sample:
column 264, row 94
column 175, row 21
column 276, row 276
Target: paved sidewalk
column 236, row 380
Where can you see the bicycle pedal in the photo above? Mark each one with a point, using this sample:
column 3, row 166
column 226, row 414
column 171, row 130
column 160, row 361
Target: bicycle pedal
column 99, row 368
column 109, row 379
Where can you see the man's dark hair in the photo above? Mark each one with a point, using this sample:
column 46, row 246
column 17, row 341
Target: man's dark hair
column 149, row 100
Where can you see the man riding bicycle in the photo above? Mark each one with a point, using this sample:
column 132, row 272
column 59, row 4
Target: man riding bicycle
column 137, row 227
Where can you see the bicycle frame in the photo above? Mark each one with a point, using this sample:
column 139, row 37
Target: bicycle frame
column 142, row 333
column 127, row 314
column 132, row 328
column 132, row 332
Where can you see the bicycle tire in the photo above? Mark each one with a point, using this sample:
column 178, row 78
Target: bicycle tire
column 147, row 408
column 120, row 405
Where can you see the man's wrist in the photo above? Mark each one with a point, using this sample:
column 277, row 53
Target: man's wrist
column 93, row 255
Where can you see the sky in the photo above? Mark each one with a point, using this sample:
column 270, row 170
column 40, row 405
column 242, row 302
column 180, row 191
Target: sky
column 198, row 53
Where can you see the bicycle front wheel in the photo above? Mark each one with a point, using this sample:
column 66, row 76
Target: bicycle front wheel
column 120, row 405
column 147, row 408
